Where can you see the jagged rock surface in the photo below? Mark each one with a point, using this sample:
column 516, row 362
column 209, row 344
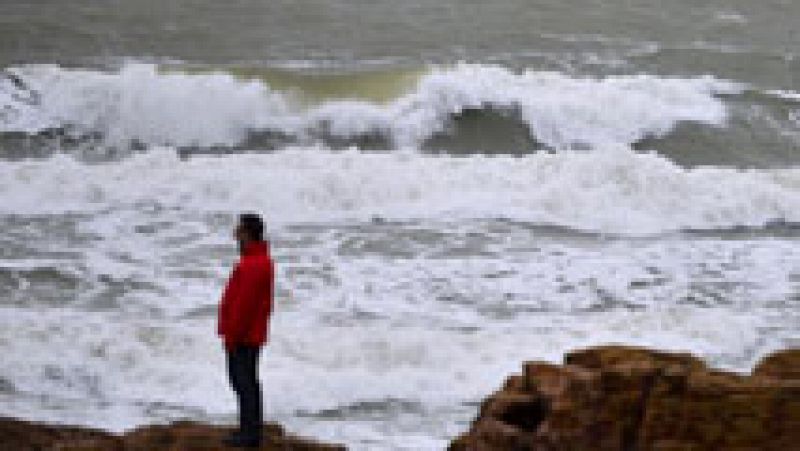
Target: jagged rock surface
column 17, row 435
column 626, row 398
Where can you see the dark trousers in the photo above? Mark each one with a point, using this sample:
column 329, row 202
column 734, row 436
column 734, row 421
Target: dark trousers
column 243, row 375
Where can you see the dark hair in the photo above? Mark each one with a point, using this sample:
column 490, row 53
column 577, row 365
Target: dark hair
column 252, row 225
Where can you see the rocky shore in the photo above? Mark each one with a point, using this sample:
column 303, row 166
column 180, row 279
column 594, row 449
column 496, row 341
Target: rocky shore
column 604, row 398
column 625, row 398
column 17, row 435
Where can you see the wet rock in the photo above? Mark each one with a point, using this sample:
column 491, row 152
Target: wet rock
column 626, row 398
column 18, row 435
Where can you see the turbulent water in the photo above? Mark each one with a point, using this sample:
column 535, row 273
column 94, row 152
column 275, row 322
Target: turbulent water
column 451, row 188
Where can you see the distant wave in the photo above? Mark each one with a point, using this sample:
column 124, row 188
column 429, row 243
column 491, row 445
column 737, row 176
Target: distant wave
column 147, row 105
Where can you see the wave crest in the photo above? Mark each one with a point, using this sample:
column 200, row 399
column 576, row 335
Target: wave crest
column 142, row 104
column 613, row 190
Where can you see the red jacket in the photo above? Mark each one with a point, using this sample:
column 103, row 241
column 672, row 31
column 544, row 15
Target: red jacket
column 247, row 300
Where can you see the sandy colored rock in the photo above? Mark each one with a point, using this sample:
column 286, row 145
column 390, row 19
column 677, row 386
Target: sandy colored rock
column 627, row 398
column 17, row 435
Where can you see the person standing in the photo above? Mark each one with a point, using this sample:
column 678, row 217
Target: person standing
column 244, row 314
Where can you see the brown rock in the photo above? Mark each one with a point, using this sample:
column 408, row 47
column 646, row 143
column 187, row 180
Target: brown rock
column 608, row 356
column 18, row 435
column 780, row 365
column 626, row 398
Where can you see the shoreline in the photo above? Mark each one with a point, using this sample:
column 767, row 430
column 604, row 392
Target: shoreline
column 601, row 398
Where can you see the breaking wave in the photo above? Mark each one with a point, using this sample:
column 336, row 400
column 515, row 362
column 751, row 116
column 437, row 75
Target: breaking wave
column 610, row 190
column 147, row 105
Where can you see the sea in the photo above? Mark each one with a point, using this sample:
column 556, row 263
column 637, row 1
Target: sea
column 451, row 188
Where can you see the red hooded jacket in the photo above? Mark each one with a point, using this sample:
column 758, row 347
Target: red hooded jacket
column 247, row 300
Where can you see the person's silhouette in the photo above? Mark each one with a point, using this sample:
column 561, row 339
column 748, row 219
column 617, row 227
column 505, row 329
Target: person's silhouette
column 244, row 314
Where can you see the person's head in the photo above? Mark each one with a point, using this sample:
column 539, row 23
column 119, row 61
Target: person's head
column 249, row 228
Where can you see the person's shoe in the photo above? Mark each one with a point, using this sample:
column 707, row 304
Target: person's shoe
column 237, row 440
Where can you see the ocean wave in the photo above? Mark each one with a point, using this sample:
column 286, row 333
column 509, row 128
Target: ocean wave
column 782, row 94
column 149, row 105
column 611, row 190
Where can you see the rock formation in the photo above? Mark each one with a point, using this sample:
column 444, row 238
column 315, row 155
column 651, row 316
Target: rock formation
column 606, row 398
column 625, row 398
column 17, row 435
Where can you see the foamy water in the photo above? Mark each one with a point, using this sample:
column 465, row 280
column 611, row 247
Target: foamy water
column 139, row 103
column 612, row 190
column 408, row 286
column 447, row 196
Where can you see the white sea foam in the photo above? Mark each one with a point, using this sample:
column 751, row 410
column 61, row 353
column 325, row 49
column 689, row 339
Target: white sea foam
column 140, row 103
column 365, row 348
column 792, row 96
column 610, row 190
column 135, row 366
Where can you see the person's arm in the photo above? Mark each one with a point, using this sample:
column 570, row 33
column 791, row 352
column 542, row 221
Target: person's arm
column 226, row 301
